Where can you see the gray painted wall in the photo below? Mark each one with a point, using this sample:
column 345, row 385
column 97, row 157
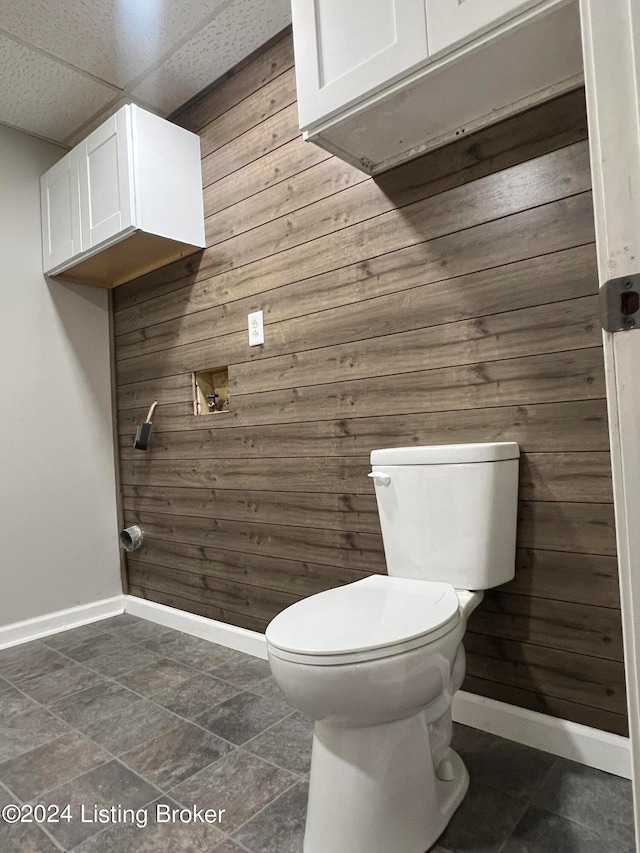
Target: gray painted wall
column 58, row 527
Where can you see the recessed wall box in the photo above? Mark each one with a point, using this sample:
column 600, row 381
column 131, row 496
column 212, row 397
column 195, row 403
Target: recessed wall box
column 211, row 391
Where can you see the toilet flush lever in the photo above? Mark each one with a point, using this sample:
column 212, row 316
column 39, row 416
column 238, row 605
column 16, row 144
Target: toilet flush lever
column 379, row 477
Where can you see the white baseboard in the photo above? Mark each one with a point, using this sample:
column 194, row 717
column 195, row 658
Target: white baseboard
column 62, row 620
column 592, row 747
column 240, row 639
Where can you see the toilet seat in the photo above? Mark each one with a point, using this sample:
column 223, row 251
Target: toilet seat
column 373, row 618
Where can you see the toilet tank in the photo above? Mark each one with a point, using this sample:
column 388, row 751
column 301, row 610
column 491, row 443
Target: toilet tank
column 448, row 512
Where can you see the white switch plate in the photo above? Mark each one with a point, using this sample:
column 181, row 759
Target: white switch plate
column 256, row 329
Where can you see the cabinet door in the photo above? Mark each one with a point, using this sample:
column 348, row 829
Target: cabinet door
column 451, row 22
column 60, row 201
column 346, row 49
column 106, row 180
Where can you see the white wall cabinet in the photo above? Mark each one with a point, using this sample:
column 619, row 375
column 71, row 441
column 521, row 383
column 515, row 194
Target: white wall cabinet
column 345, row 50
column 125, row 201
column 452, row 22
column 382, row 81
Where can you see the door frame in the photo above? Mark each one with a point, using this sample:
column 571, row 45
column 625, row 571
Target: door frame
column 611, row 46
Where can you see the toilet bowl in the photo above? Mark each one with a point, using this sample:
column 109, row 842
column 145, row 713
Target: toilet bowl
column 375, row 664
column 381, row 701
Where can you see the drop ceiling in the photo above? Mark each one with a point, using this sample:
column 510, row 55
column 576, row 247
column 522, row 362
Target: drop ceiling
column 66, row 65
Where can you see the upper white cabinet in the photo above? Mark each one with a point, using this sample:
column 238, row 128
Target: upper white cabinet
column 382, row 81
column 454, row 21
column 345, row 50
column 125, row 201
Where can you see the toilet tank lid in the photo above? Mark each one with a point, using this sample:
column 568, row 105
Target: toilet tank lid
column 443, row 454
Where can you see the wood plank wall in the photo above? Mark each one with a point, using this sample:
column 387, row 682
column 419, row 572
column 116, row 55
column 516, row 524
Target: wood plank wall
column 451, row 300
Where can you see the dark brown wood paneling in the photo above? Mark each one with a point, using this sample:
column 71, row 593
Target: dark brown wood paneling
column 450, row 300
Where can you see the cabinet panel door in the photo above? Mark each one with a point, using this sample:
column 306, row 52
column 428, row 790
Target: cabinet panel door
column 345, row 50
column 106, row 180
column 451, row 22
column 60, row 201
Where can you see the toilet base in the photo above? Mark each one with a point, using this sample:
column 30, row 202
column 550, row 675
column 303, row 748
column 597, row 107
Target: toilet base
column 374, row 789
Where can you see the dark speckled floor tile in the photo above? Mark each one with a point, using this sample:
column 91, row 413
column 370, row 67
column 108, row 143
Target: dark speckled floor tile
column 31, row 659
column 156, row 837
column 280, row 827
column 176, row 755
column 101, row 644
column 25, row 725
column 598, row 800
column 483, row 821
column 194, row 697
column 106, row 786
column 122, row 661
column 287, row 744
column 25, row 838
column 540, row 831
column 95, row 703
column 243, row 717
column 200, row 654
column 130, row 727
column 117, row 623
column 504, row 764
column 144, row 631
column 243, row 670
column 67, row 639
column 269, row 689
column 51, row 765
column 229, row 847
column 63, row 682
column 157, row 676
column 240, row 783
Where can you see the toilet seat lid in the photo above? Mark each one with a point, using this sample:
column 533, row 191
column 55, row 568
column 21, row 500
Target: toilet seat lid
column 373, row 613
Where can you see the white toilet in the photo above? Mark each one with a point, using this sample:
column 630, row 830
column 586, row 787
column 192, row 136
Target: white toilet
column 375, row 663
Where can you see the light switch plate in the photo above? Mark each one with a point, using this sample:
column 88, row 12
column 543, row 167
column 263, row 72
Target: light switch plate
column 256, row 329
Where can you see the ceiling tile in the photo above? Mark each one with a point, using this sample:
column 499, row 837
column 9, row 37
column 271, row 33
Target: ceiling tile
column 237, row 31
column 115, row 40
column 45, row 97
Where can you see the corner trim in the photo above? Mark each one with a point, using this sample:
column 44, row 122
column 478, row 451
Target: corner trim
column 62, row 620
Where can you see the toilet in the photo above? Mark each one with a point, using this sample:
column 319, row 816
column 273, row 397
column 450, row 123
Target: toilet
column 375, row 663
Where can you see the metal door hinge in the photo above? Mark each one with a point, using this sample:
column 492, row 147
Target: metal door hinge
column 620, row 304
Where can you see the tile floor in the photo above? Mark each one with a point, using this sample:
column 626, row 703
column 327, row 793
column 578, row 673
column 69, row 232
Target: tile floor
column 126, row 713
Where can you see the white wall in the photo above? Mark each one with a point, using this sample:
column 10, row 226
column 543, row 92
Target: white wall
column 58, row 527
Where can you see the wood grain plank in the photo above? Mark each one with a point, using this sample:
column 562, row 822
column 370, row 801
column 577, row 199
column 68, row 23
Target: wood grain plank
column 583, row 628
column 239, row 597
column 454, row 255
column 554, row 378
column 566, row 675
column 199, row 607
column 550, row 427
column 580, row 527
column 564, row 576
column 328, row 511
column 255, row 109
column 346, row 550
column 292, row 576
column 243, row 82
column 254, row 143
column 559, row 477
column 531, row 185
column 406, row 296
column 586, row 715
column 550, row 126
